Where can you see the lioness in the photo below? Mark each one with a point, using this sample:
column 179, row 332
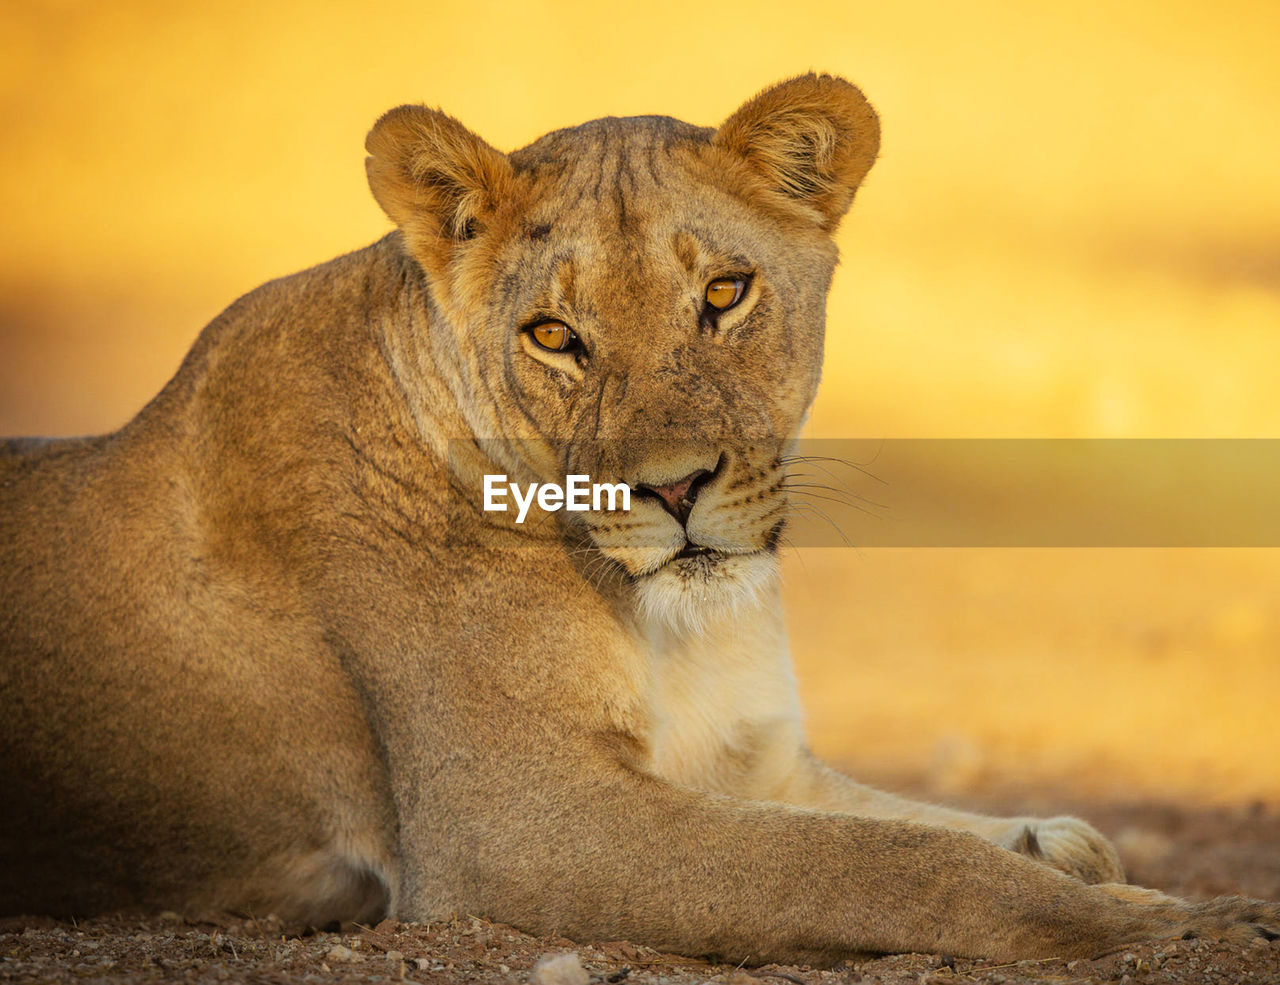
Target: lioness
column 264, row 650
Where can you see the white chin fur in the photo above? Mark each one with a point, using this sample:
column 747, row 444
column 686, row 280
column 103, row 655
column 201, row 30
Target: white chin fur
column 692, row 596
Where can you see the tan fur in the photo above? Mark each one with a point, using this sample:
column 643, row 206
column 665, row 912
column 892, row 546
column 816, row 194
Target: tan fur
column 263, row 650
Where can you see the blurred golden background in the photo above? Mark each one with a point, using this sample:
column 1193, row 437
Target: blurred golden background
column 1073, row 231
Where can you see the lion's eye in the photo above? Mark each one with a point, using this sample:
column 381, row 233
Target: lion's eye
column 725, row 292
column 555, row 336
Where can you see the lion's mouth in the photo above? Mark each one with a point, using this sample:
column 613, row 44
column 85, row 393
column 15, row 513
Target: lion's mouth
column 697, row 559
column 693, row 559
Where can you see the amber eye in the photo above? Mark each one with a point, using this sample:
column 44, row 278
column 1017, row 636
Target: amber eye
column 725, row 292
column 554, row 336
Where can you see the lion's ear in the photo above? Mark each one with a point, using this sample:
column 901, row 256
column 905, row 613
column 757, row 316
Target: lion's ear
column 433, row 177
column 812, row 139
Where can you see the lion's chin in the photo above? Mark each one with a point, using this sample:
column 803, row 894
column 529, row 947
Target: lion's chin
column 692, row 594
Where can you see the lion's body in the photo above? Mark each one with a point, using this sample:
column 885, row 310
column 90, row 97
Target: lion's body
column 263, row 650
column 214, row 691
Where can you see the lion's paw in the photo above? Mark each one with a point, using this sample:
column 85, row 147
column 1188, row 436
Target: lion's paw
column 1233, row 918
column 1229, row 918
column 1067, row 844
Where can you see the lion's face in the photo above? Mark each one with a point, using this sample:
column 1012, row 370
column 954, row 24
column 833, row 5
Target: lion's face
column 649, row 297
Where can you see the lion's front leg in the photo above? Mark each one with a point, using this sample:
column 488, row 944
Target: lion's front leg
column 1068, row 844
column 580, row 844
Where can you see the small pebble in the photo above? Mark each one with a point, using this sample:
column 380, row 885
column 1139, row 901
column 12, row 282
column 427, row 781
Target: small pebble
column 559, row 969
column 342, row 955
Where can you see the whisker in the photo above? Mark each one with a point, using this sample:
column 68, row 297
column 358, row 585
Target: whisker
column 839, row 461
column 837, row 492
column 787, row 544
column 841, row 502
column 822, row 514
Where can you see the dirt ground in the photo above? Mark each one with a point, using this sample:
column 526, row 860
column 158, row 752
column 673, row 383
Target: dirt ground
column 1194, row 852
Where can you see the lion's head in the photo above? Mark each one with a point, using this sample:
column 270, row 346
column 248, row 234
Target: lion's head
column 650, row 297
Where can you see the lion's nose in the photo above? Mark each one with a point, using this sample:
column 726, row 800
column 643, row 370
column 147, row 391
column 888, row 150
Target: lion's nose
column 678, row 497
